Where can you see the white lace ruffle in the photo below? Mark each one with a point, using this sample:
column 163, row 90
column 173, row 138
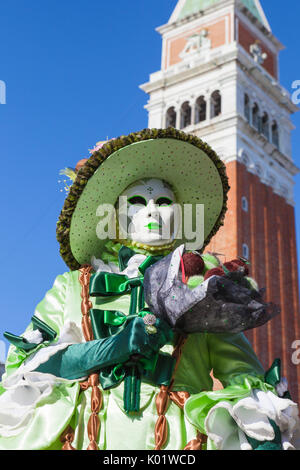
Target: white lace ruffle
column 33, row 336
column 132, row 269
column 99, row 265
column 227, row 425
column 26, row 388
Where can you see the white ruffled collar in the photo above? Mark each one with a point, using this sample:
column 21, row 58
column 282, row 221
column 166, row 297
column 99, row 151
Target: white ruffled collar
column 131, row 270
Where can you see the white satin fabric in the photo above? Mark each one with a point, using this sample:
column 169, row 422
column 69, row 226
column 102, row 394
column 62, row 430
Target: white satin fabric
column 26, row 388
column 228, row 424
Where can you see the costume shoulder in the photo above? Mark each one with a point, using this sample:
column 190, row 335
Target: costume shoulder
column 52, row 312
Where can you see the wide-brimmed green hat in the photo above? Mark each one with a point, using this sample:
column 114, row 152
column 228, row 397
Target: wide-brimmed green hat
column 188, row 164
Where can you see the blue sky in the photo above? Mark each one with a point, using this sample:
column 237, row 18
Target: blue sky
column 72, row 70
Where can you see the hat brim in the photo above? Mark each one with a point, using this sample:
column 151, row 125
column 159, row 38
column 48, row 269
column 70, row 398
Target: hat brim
column 189, row 165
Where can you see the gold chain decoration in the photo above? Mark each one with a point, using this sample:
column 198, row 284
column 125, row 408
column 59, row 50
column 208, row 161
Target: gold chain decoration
column 162, row 400
column 67, row 438
column 196, row 444
column 86, row 304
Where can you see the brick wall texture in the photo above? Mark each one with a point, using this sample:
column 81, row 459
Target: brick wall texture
column 268, row 228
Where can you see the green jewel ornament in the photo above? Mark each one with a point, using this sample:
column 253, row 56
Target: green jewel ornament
column 151, row 330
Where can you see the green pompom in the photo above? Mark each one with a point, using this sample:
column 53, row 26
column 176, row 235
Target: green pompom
column 195, row 281
column 252, row 283
column 210, row 262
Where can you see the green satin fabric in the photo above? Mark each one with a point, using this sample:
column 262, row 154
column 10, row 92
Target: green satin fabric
column 273, row 375
column 229, row 356
column 108, row 284
column 198, row 406
column 21, row 343
column 110, row 322
column 104, row 283
column 268, row 445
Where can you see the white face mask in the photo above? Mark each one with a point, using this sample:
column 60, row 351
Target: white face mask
column 150, row 211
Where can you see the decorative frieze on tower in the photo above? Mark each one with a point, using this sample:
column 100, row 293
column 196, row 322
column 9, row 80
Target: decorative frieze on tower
column 219, row 80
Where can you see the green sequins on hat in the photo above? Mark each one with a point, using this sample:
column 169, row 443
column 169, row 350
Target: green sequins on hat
column 188, row 164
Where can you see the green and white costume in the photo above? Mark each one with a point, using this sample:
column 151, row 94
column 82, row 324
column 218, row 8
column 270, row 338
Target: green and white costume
column 36, row 407
column 32, row 402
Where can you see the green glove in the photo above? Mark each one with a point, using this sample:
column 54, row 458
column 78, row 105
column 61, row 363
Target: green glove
column 79, row 360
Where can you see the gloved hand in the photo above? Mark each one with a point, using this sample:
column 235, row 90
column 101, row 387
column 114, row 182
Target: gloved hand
column 79, row 360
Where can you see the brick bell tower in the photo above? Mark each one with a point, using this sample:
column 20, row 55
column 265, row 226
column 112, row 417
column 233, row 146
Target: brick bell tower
column 219, row 80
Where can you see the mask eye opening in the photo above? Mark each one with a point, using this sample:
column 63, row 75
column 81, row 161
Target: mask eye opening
column 163, row 200
column 137, row 200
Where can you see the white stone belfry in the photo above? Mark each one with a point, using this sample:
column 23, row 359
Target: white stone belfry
column 219, row 80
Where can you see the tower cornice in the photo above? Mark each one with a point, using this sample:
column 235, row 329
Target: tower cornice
column 174, row 75
column 268, row 83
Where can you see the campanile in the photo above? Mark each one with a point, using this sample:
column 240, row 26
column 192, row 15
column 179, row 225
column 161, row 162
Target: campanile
column 219, row 80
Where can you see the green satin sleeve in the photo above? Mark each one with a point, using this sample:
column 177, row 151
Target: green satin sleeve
column 231, row 355
column 51, row 311
column 81, row 359
column 237, row 367
column 198, row 406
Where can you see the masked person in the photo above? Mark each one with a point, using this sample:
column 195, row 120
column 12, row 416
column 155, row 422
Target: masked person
column 118, row 354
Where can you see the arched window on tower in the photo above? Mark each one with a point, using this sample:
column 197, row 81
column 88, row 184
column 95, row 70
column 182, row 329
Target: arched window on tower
column 245, row 204
column 200, row 110
column 256, row 117
column 215, row 104
column 247, row 107
column 185, row 115
column 275, row 134
column 245, row 251
column 265, row 125
column 171, row 117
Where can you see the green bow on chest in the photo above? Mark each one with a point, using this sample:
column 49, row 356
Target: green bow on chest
column 159, row 367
